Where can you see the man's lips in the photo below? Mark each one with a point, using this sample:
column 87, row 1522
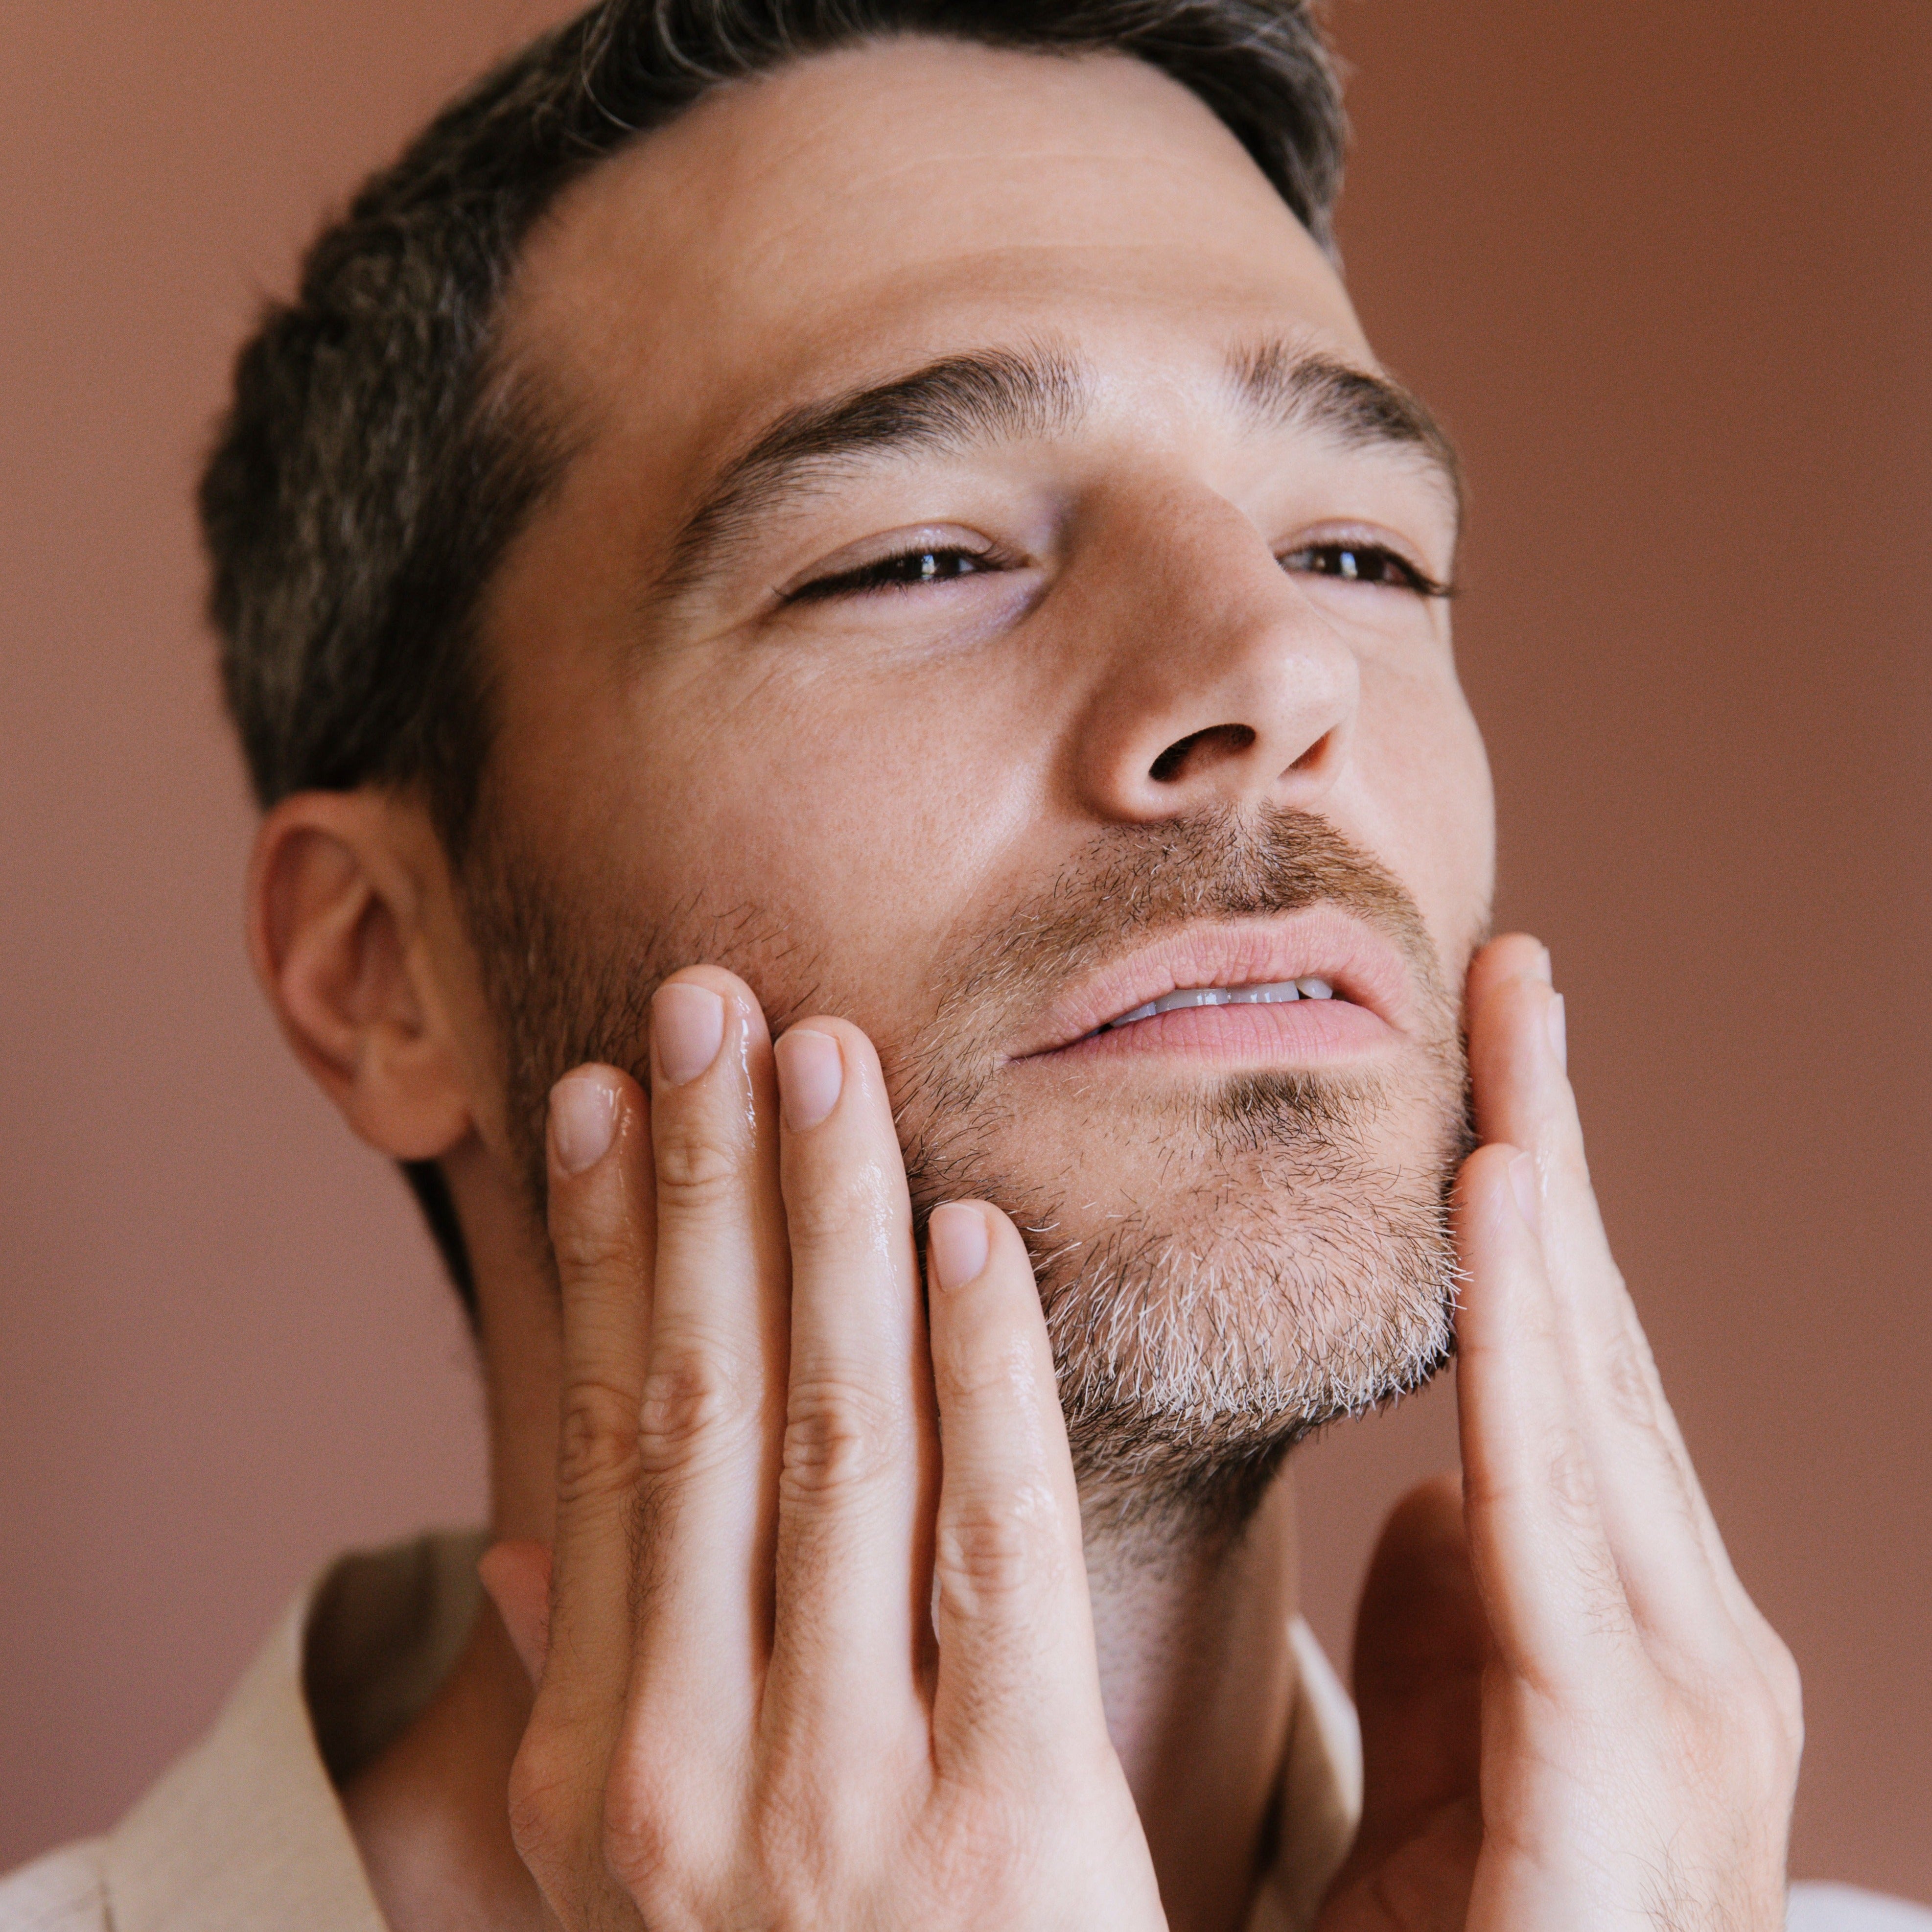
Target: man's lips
column 1373, row 995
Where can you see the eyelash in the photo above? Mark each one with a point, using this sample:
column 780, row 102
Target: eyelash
column 1364, row 563
column 1348, row 563
column 877, row 575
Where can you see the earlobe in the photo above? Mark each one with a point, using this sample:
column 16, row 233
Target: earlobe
column 336, row 934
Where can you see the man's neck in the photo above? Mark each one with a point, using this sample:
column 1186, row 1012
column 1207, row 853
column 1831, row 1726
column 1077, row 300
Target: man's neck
column 430, row 1816
column 1197, row 1677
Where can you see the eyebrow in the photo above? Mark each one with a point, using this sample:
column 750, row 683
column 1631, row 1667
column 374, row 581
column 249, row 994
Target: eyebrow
column 974, row 399
column 1285, row 385
column 958, row 403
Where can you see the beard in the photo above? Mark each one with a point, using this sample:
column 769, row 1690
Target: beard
column 1280, row 1256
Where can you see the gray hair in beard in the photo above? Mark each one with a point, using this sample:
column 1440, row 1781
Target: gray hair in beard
column 1291, row 1275
column 1294, row 1270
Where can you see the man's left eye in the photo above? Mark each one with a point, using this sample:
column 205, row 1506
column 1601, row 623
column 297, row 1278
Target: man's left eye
column 907, row 570
column 1363, row 563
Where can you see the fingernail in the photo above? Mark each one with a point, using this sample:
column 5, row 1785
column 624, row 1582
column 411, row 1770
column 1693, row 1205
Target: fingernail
column 582, row 1120
column 688, row 1022
column 1546, row 971
column 1559, row 1035
column 812, row 1070
column 1523, row 1185
column 957, row 1236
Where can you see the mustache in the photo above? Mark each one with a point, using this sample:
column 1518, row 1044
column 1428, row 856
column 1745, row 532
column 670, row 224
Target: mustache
column 1134, row 884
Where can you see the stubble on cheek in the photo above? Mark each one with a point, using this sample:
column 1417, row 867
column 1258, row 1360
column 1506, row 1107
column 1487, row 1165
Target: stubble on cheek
column 569, row 967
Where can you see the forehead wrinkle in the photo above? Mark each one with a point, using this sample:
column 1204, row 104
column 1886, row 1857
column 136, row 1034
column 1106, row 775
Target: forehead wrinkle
column 1287, row 385
column 958, row 403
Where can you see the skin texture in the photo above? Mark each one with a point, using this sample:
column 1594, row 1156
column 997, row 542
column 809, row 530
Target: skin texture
column 1572, row 1714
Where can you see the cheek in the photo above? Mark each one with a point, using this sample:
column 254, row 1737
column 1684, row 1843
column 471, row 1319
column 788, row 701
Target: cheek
column 1421, row 756
column 854, row 817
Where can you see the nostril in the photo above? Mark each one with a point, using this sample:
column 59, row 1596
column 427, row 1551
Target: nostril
column 1218, row 741
column 1315, row 753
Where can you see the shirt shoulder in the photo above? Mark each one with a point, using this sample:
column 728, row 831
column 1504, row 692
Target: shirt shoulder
column 64, row 1891
column 1843, row 1908
column 244, row 1832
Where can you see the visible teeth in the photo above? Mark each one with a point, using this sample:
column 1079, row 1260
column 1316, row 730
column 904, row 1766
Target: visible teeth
column 1191, row 996
column 1277, row 994
column 1266, row 996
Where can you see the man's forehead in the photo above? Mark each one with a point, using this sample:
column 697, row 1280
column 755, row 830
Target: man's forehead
column 872, row 209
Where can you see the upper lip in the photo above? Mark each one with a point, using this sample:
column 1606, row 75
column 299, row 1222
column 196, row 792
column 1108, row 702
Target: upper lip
column 1318, row 942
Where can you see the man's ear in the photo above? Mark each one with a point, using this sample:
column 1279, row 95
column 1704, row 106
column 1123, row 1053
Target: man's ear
column 339, row 893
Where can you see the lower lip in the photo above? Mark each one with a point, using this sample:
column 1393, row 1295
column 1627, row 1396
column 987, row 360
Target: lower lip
column 1296, row 1032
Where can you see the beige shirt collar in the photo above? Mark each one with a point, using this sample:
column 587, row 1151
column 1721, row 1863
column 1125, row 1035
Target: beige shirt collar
column 246, row 1832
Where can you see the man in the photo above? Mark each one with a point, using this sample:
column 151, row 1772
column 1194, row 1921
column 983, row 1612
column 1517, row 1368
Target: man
column 846, row 655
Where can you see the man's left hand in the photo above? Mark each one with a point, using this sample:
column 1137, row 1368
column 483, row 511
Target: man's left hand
column 1573, row 1716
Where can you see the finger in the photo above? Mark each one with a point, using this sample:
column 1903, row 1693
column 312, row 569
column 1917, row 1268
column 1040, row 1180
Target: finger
column 1660, row 1523
column 517, row 1575
column 1523, row 1095
column 1536, row 1541
column 709, row 1418
column 1017, row 1674
column 600, row 1231
column 855, row 1497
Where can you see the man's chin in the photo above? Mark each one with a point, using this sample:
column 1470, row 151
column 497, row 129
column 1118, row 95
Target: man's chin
column 1220, row 1350
column 1209, row 1312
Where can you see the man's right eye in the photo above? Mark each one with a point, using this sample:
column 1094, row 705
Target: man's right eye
column 905, row 571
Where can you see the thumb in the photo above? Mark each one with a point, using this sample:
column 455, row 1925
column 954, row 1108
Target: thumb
column 517, row 1575
column 1421, row 1642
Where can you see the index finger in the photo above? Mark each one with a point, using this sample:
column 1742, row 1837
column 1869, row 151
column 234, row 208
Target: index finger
column 1538, row 1544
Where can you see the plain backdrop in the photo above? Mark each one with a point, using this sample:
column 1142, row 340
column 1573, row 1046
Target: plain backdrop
column 1663, row 266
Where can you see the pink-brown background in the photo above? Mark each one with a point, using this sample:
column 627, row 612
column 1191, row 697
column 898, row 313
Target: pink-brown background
column 1664, row 267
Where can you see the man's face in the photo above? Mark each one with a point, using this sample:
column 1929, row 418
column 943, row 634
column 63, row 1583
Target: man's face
column 982, row 601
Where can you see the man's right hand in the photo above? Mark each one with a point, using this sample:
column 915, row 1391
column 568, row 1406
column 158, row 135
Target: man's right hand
column 795, row 1667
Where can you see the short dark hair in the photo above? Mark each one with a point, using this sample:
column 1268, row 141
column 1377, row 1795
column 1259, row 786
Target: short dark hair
column 377, row 458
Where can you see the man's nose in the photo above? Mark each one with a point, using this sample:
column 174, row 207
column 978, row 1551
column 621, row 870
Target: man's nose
column 1224, row 686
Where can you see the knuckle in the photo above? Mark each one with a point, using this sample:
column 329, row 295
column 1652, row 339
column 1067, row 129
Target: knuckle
column 694, row 1398
column 1774, row 1698
column 1627, row 1378
column 541, row 1802
column 1570, row 1487
column 1743, row 1729
column 1787, row 1690
column 982, row 1831
column 639, row 1845
column 597, row 1443
column 696, row 1165
column 991, row 1552
column 838, row 1438
column 833, row 1204
column 978, row 1368
column 591, row 1252
column 792, row 1849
